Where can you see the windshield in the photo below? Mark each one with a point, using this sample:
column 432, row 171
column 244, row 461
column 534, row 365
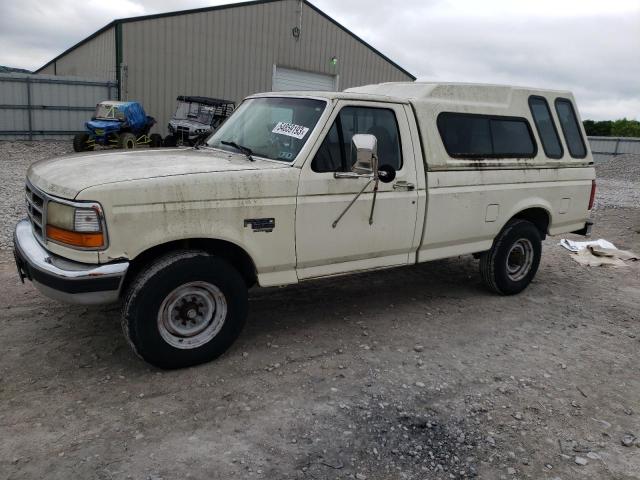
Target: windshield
column 105, row 111
column 194, row 111
column 274, row 128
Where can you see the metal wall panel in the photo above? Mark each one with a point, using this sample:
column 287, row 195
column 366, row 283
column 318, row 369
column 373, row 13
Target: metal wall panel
column 94, row 59
column 38, row 106
column 231, row 53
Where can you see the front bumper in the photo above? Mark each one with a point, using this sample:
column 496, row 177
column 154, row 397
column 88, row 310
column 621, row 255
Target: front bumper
column 63, row 279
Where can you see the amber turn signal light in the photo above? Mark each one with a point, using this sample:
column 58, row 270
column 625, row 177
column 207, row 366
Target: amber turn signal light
column 76, row 239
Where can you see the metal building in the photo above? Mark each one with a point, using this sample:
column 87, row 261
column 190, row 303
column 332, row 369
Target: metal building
column 228, row 51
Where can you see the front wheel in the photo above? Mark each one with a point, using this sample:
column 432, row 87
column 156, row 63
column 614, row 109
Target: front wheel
column 513, row 260
column 184, row 309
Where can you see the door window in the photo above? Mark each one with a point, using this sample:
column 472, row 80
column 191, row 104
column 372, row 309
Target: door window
column 334, row 153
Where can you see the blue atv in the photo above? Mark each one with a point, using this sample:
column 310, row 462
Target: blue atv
column 117, row 125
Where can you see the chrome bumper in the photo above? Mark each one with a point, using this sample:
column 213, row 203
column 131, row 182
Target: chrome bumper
column 63, row 279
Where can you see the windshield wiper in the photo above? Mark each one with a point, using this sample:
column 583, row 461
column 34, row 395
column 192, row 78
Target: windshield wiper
column 246, row 150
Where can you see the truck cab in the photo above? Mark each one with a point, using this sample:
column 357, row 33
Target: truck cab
column 303, row 185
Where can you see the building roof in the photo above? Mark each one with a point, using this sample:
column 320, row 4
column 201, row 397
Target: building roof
column 221, row 7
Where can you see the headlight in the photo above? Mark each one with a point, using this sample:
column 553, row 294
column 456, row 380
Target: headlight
column 75, row 225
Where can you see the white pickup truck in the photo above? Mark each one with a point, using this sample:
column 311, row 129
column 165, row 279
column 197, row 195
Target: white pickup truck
column 297, row 186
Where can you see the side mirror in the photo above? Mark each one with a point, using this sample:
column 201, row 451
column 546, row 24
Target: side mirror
column 364, row 150
column 386, row 173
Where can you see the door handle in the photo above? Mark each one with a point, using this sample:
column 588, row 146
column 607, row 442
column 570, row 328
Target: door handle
column 402, row 185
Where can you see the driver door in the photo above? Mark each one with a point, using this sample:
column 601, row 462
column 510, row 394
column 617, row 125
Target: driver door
column 355, row 244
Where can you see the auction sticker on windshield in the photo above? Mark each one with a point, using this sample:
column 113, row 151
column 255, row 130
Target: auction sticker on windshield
column 290, row 130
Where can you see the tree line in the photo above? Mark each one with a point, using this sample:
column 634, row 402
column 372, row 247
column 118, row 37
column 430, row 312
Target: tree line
column 612, row 128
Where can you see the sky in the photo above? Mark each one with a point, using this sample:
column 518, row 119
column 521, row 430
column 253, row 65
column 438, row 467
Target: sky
column 591, row 47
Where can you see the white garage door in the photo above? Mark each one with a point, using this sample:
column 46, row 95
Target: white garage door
column 289, row 79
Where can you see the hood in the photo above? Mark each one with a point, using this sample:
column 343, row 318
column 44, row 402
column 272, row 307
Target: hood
column 67, row 176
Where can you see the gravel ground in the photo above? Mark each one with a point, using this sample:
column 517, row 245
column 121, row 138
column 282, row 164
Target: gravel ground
column 433, row 379
column 15, row 158
column 618, row 182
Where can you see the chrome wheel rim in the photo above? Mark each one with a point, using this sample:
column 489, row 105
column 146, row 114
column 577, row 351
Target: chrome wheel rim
column 192, row 315
column 520, row 259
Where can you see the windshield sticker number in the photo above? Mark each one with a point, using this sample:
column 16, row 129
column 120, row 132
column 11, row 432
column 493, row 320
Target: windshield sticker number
column 290, row 130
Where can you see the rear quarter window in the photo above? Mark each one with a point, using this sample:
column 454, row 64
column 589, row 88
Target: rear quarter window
column 570, row 128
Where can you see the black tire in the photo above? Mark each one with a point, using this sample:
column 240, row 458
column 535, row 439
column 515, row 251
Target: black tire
column 127, row 141
column 170, row 141
column 155, row 140
column 513, row 260
column 80, row 143
column 157, row 284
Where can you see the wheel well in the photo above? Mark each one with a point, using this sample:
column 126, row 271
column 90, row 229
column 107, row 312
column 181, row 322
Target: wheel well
column 235, row 255
column 538, row 216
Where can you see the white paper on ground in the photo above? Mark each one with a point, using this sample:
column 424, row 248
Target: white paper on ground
column 575, row 247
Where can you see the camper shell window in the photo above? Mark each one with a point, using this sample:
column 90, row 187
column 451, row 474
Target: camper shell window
column 570, row 128
column 472, row 136
column 546, row 126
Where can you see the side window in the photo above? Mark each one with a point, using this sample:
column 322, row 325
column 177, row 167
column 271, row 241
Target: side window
column 467, row 135
column 336, row 147
column 546, row 127
column 570, row 128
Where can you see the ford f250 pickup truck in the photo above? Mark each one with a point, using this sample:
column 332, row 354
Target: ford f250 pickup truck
column 297, row 186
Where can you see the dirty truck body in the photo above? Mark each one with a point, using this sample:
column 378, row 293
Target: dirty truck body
column 297, row 186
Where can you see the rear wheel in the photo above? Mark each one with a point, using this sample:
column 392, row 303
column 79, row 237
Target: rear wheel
column 155, row 140
column 184, row 309
column 81, row 143
column 513, row 260
column 127, row 141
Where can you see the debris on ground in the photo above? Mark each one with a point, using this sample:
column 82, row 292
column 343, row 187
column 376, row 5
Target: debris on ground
column 596, row 253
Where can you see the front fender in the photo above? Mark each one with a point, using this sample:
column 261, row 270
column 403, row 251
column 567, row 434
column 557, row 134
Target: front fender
column 144, row 214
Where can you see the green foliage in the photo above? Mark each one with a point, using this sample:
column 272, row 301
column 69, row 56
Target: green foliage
column 625, row 128
column 608, row 128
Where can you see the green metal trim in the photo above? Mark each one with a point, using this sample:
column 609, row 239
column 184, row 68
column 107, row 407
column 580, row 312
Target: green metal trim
column 119, row 58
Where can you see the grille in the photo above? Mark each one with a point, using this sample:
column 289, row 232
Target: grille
column 36, row 209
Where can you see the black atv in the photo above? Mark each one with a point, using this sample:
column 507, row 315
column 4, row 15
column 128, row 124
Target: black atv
column 195, row 119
